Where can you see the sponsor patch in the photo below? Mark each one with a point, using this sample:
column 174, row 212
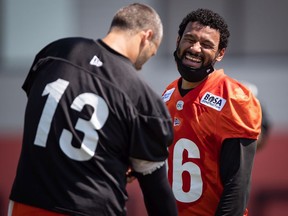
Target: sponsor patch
column 96, row 61
column 167, row 95
column 213, row 101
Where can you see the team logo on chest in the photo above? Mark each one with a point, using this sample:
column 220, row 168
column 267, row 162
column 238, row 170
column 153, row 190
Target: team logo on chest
column 176, row 122
column 179, row 105
column 213, row 101
column 167, row 95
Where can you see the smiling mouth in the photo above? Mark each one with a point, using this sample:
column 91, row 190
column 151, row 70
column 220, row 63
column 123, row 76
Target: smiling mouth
column 192, row 60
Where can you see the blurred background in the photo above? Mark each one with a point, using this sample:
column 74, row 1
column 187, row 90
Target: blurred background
column 257, row 53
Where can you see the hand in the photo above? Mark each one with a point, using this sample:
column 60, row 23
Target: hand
column 129, row 176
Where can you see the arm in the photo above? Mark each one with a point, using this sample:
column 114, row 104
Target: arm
column 236, row 161
column 265, row 129
column 158, row 196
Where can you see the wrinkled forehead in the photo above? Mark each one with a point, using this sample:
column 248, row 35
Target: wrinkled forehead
column 197, row 26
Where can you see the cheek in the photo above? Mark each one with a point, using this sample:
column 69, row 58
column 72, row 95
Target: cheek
column 208, row 57
column 180, row 50
column 184, row 45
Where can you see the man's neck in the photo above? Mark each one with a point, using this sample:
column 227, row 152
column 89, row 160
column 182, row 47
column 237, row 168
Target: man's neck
column 190, row 85
column 122, row 43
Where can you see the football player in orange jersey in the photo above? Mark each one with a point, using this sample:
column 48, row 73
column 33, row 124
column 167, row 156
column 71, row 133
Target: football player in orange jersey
column 216, row 123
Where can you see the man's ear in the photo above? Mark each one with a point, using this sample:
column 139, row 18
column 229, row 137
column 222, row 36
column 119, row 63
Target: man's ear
column 220, row 55
column 146, row 36
column 177, row 41
column 149, row 34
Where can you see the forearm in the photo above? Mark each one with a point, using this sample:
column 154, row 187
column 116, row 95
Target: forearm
column 237, row 159
column 158, row 196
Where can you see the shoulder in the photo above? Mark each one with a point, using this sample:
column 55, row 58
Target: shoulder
column 146, row 100
column 239, row 99
column 231, row 88
column 170, row 88
column 64, row 47
column 68, row 41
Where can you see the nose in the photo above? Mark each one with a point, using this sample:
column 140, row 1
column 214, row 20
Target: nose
column 196, row 47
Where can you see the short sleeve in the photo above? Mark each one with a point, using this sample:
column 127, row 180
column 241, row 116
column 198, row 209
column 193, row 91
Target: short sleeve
column 242, row 116
column 152, row 133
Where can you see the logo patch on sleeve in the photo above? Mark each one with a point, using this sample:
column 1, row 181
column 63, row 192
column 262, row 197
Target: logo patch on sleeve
column 213, row 101
column 167, row 95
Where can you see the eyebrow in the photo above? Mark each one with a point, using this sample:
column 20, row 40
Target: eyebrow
column 192, row 36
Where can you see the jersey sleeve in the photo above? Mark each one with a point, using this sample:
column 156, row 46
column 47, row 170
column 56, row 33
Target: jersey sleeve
column 39, row 60
column 32, row 72
column 241, row 117
column 152, row 130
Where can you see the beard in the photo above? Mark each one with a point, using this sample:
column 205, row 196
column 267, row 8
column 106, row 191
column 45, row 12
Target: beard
column 192, row 74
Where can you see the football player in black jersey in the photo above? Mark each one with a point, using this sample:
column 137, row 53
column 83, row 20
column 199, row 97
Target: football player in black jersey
column 90, row 118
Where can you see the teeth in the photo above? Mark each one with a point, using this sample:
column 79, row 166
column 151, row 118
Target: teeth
column 193, row 58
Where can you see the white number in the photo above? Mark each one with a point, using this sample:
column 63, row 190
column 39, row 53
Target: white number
column 89, row 128
column 196, row 184
column 96, row 122
column 55, row 91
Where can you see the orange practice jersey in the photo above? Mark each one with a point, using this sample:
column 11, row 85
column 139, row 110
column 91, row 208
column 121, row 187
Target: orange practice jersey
column 217, row 109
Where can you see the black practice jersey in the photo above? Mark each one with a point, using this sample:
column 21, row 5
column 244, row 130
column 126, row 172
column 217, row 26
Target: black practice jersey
column 87, row 113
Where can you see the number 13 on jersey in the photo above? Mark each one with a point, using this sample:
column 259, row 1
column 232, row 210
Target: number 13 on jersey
column 55, row 91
